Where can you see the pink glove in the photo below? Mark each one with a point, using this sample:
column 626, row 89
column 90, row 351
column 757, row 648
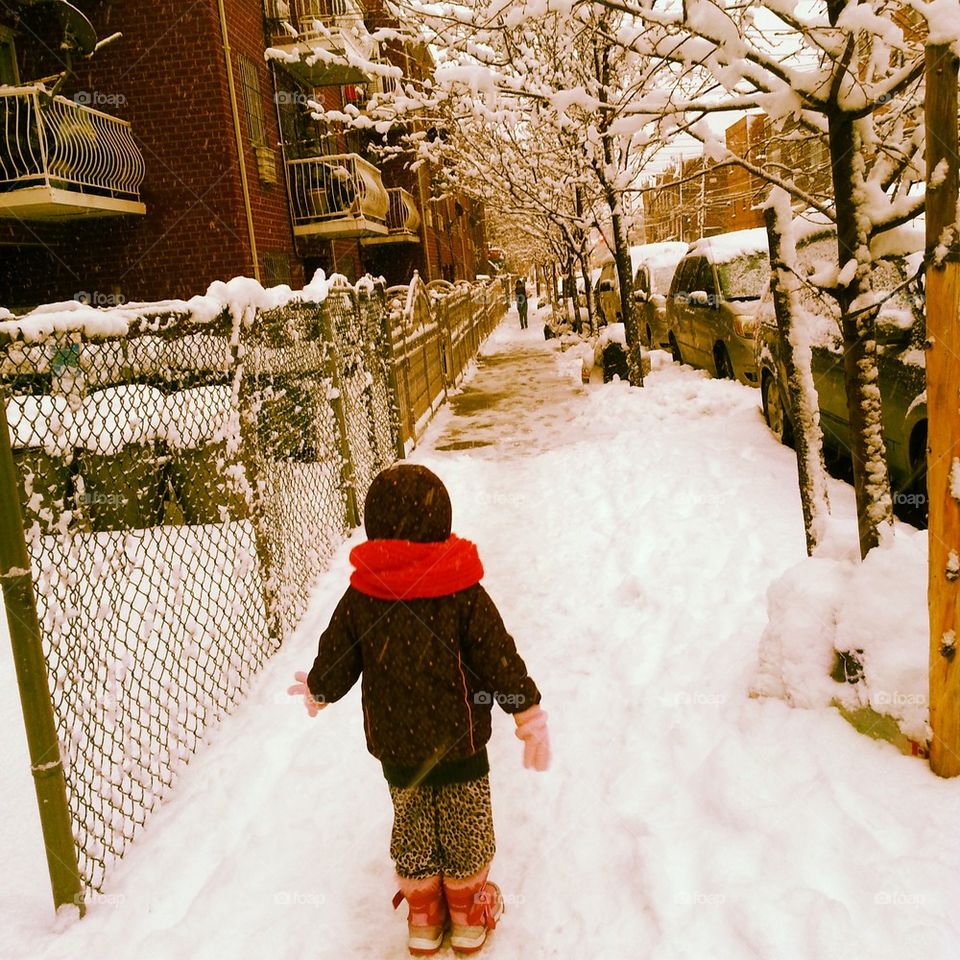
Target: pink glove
column 302, row 690
column 532, row 730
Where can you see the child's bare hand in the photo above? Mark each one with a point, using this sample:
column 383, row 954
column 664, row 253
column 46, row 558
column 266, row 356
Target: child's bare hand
column 300, row 689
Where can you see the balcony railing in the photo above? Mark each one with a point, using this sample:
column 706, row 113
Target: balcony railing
column 60, row 160
column 337, row 196
column 305, row 33
column 403, row 219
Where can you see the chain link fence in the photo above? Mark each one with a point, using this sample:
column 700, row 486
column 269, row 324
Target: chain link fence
column 183, row 474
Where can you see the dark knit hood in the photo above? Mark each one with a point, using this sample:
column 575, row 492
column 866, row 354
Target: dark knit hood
column 408, row 502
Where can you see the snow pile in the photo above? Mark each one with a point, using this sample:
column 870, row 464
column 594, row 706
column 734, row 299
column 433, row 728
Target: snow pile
column 42, row 421
column 612, row 333
column 873, row 614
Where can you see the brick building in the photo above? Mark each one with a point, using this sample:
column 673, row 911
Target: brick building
column 686, row 202
column 158, row 204
column 698, row 199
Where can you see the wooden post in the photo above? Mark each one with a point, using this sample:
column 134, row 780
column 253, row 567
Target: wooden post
column 943, row 407
column 31, row 668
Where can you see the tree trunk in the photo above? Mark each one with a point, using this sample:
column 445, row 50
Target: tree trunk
column 572, row 289
column 871, row 477
column 583, row 259
column 587, row 289
column 621, row 250
column 801, row 392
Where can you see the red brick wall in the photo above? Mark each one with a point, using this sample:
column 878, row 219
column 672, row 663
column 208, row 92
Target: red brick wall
column 747, row 138
column 167, row 76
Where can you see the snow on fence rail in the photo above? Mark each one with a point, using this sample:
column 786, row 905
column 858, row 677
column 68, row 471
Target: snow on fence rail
column 177, row 477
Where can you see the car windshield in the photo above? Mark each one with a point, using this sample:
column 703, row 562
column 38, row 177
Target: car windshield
column 745, row 277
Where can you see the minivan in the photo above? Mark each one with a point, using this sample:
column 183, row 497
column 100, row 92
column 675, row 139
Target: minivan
column 712, row 306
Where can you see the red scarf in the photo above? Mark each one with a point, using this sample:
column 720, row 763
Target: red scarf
column 403, row 570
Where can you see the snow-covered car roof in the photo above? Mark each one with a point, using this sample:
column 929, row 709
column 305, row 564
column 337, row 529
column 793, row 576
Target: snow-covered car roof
column 724, row 247
column 654, row 255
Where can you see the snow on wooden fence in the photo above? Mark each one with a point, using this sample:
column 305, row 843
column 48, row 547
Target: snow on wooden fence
column 177, row 477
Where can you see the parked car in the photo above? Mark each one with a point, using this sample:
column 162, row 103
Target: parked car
column 900, row 362
column 653, row 273
column 608, row 293
column 712, row 304
column 653, row 265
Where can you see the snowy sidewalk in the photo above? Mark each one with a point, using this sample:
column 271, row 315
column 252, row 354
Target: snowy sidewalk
column 629, row 538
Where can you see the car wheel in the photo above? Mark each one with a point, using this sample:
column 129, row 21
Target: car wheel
column 724, row 365
column 675, row 350
column 774, row 412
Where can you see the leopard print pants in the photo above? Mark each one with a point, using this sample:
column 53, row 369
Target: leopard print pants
column 442, row 830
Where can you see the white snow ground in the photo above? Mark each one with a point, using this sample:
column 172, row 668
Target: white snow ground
column 629, row 538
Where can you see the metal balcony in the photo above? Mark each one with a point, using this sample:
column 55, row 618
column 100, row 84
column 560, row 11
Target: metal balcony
column 314, row 40
column 337, row 196
column 60, row 160
column 403, row 219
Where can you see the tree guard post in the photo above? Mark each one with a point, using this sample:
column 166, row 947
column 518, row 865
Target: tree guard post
column 943, row 405
column 43, row 744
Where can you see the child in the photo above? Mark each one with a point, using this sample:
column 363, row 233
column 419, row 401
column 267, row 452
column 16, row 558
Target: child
column 434, row 656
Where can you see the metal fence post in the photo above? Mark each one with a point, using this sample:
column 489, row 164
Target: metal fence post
column 248, row 456
column 46, row 764
column 332, row 364
column 389, row 363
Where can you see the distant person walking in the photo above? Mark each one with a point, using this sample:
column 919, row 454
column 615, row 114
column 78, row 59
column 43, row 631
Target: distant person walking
column 520, row 294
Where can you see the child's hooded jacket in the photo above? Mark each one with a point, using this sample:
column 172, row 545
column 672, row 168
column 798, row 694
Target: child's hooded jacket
column 432, row 665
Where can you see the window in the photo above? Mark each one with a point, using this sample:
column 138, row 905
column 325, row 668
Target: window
column 276, row 269
column 253, row 102
column 703, row 279
column 641, row 282
column 8, row 59
column 686, row 274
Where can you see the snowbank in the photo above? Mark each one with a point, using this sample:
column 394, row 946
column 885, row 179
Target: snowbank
column 841, row 617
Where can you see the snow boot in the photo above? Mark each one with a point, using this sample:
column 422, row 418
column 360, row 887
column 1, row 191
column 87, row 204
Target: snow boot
column 427, row 919
column 475, row 907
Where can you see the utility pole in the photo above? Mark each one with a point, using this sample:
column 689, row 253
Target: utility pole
column 943, row 406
